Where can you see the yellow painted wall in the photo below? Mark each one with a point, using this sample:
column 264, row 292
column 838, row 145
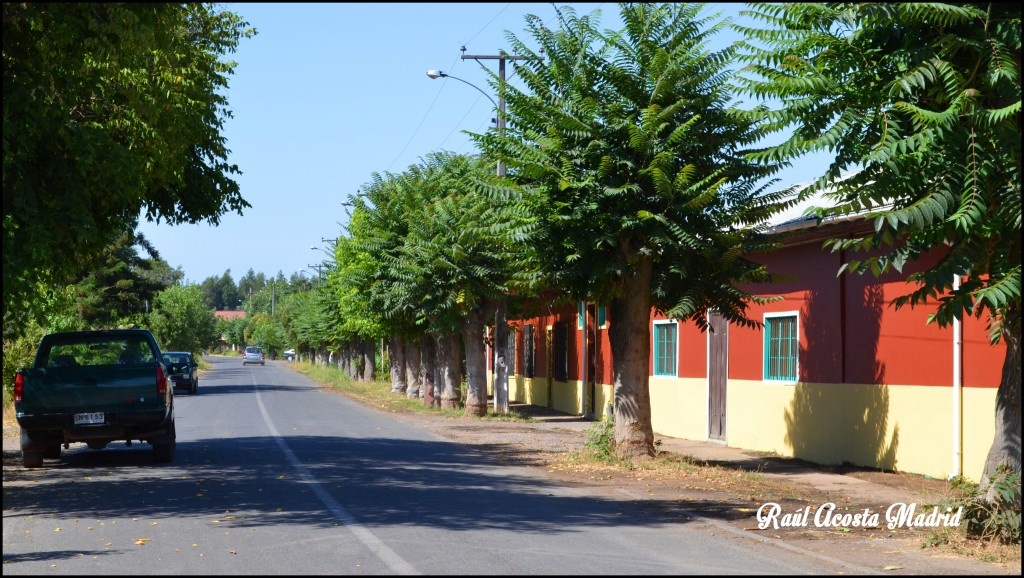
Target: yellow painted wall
column 679, row 407
column 979, row 429
column 566, row 397
column 533, row 391
column 603, row 402
column 906, row 428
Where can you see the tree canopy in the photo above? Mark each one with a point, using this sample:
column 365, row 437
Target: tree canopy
column 634, row 162
column 921, row 102
column 111, row 111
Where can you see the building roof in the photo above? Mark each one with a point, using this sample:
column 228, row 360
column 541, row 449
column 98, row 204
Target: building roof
column 229, row 314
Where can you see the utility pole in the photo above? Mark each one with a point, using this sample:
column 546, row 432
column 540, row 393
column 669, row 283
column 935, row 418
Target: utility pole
column 500, row 384
column 319, row 274
column 501, row 58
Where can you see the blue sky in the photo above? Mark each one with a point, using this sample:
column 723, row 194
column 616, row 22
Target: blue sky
column 327, row 94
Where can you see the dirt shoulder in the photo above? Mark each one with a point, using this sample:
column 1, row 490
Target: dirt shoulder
column 726, row 494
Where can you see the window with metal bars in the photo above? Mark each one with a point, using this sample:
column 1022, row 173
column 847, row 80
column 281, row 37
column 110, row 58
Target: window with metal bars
column 781, row 346
column 510, row 354
column 528, row 350
column 665, row 347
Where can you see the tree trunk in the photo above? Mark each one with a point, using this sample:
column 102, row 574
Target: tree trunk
column 630, row 336
column 428, row 367
column 412, row 368
column 449, row 365
column 369, row 353
column 1006, row 445
column 476, row 363
column 500, row 388
column 397, row 350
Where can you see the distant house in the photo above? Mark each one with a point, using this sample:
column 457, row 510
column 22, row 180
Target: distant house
column 228, row 316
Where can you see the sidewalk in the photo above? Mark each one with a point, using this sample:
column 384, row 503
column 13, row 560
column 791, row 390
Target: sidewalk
column 880, row 489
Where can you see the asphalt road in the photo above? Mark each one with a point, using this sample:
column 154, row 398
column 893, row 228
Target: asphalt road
column 274, row 476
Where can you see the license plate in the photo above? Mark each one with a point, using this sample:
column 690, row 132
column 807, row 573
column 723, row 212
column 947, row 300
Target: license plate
column 89, row 418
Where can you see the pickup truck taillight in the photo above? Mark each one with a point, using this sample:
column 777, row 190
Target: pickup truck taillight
column 161, row 381
column 19, row 387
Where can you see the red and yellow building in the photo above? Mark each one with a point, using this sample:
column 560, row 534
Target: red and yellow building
column 836, row 375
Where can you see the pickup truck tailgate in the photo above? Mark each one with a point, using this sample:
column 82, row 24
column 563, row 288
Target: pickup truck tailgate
column 99, row 388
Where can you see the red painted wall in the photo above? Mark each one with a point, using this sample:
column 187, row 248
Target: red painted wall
column 849, row 332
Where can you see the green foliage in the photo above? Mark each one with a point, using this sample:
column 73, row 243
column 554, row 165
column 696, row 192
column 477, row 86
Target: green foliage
column 181, row 321
column 601, row 441
column 628, row 151
column 120, row 288
column 110, row 111
column 233, row 329
column 267, row 332
column 923, row 102
column 221, row 292
column 996, row 520
column 427, row 246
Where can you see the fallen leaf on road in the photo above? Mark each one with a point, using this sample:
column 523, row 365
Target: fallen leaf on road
column 893, row 568
column 142, row 541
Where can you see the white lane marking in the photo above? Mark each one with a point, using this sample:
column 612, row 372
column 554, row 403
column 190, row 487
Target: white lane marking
column 395, row 562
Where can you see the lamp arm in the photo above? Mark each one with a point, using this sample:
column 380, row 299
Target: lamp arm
column 446, row 75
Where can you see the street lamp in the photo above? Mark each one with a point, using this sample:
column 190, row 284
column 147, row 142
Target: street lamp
column 500, row 385
column 500, row 121
column 443, row 74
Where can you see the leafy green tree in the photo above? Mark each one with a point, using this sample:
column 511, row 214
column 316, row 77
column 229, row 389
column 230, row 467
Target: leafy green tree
column 221, row 292
column 923, row 101
column 378, row 228
column 267, row 332
column 456, row 262
column 232, row 329
column 635, row 163
column 58, row 313
column 360, row 327
column 120, row 289
column 249, row 285
column 181, row 321
column 111, row 111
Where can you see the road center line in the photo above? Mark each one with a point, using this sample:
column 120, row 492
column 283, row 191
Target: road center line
column 395, row 562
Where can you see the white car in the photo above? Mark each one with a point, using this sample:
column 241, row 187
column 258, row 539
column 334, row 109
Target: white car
column 254, row 354
column 289, row 354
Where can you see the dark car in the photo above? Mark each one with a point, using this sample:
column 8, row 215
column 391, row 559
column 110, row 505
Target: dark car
column 182, row 370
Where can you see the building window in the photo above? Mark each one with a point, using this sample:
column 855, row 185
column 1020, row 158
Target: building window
column 665, row 347
column 561, row 360
column 528, row 350
column 510, row 355
column 781, row 346
column 602, row 315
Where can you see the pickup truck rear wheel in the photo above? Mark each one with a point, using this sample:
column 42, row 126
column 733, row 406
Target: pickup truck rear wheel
column 163, row 450
column 31, row 459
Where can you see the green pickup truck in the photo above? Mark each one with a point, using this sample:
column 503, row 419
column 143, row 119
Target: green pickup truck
column 94, row 387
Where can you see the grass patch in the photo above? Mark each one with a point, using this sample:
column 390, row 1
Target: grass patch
column 378, row 394
column 988, row 531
